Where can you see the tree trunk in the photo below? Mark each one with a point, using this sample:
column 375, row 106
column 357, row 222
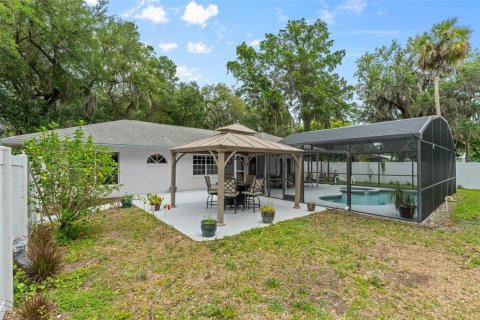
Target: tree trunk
column 436, row 84
column 466, row 151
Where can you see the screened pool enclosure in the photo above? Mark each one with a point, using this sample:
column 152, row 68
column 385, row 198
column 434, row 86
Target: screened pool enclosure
column 356, row 167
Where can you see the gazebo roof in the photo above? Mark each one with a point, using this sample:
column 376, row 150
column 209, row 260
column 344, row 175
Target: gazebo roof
column 234, row 139
column 236, row 128
column 230, row 139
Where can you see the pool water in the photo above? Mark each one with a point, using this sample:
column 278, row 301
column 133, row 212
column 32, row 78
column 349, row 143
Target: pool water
column 373, row 199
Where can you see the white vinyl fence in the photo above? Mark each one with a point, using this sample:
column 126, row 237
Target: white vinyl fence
column 14, row 218
column 468, row 173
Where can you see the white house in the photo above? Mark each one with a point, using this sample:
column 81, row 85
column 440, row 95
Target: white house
column 142, row 150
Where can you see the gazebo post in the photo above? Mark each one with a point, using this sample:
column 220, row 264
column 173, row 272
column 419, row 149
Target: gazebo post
column 298, row 174
column 173, row 178
column 221, row 186
column 246, row 162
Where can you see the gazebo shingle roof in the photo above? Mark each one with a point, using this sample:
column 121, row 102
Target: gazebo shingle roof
column 230, row 141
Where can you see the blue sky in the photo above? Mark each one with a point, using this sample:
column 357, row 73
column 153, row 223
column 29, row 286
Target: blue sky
column 201, row 36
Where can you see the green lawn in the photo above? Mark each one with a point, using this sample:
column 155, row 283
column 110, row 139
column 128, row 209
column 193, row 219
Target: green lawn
column 326, row 266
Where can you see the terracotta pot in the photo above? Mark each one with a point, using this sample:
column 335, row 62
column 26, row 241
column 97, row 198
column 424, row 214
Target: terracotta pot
column 407, row 212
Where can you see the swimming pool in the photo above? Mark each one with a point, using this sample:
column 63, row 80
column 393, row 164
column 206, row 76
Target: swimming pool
column 362, row 196
column 371, row 199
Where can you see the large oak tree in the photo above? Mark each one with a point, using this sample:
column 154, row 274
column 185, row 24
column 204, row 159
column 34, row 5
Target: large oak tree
column 294, row 70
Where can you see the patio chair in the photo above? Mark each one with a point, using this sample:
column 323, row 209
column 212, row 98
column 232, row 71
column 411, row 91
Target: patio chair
column 255, row 190
column 251, row 178
column 230, row 191
column 323, row 178
column 211, row 192
column 309, row 179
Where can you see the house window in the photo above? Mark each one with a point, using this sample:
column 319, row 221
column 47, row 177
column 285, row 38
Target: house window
column 156, row 159
column 114, row 178
column 204, row 165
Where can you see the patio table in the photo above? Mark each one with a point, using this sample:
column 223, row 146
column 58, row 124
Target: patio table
column 241, row 186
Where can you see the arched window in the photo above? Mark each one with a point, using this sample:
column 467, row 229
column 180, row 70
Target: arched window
column 156, row 159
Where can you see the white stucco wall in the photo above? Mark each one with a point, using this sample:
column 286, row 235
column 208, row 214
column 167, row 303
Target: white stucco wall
column 138, row 177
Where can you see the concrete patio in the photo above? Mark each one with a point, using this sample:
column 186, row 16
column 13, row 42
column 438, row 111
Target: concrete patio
column 190, row 209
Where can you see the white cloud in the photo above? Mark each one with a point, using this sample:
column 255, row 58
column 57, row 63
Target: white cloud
column 168, row 46
column 155, row 14
column 197, row 14
column 356, row 6
column 381, row 12
column 220, row 32
column 91, row 2
column 327, row 16
column 198, row 47
column 353, row 5
column 188, row 74
column 281, row 17
column 254, row 43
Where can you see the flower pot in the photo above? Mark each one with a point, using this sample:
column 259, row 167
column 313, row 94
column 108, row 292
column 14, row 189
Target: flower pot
column 267, row 218
column 406, row 212
column 311, row 206
column 126, row 203
column 208, row 230
column 156, row 207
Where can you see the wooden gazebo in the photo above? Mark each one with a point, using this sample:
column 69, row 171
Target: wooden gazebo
column 232, row 140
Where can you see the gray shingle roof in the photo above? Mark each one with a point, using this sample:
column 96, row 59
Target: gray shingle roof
column 388, row 129
column 133, row 133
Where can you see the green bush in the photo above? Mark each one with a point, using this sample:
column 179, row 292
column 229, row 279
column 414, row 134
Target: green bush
column 70, row 175
column 208, row 219
column 154, row 199
column 44, row 255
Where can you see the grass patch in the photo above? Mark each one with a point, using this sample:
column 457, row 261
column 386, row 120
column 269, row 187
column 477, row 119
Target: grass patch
column 325, row 266
column 468, row 206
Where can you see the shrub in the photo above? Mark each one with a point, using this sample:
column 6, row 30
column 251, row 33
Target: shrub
column 154, row 199
column 401, row 198
column 44, row 255
column 33, row 308
column 209, row 220
column 70, row 175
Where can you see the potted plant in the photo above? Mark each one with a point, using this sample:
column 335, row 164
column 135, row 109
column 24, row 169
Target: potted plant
column 311, row 206
column 155, row 201
column 126, row 201
column 404, row 201
column 209, row 226
column 268, row 213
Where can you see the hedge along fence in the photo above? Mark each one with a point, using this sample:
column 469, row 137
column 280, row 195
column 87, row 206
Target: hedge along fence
column 15, row 218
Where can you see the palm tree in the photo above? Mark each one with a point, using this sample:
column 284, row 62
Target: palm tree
column 440, row 49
